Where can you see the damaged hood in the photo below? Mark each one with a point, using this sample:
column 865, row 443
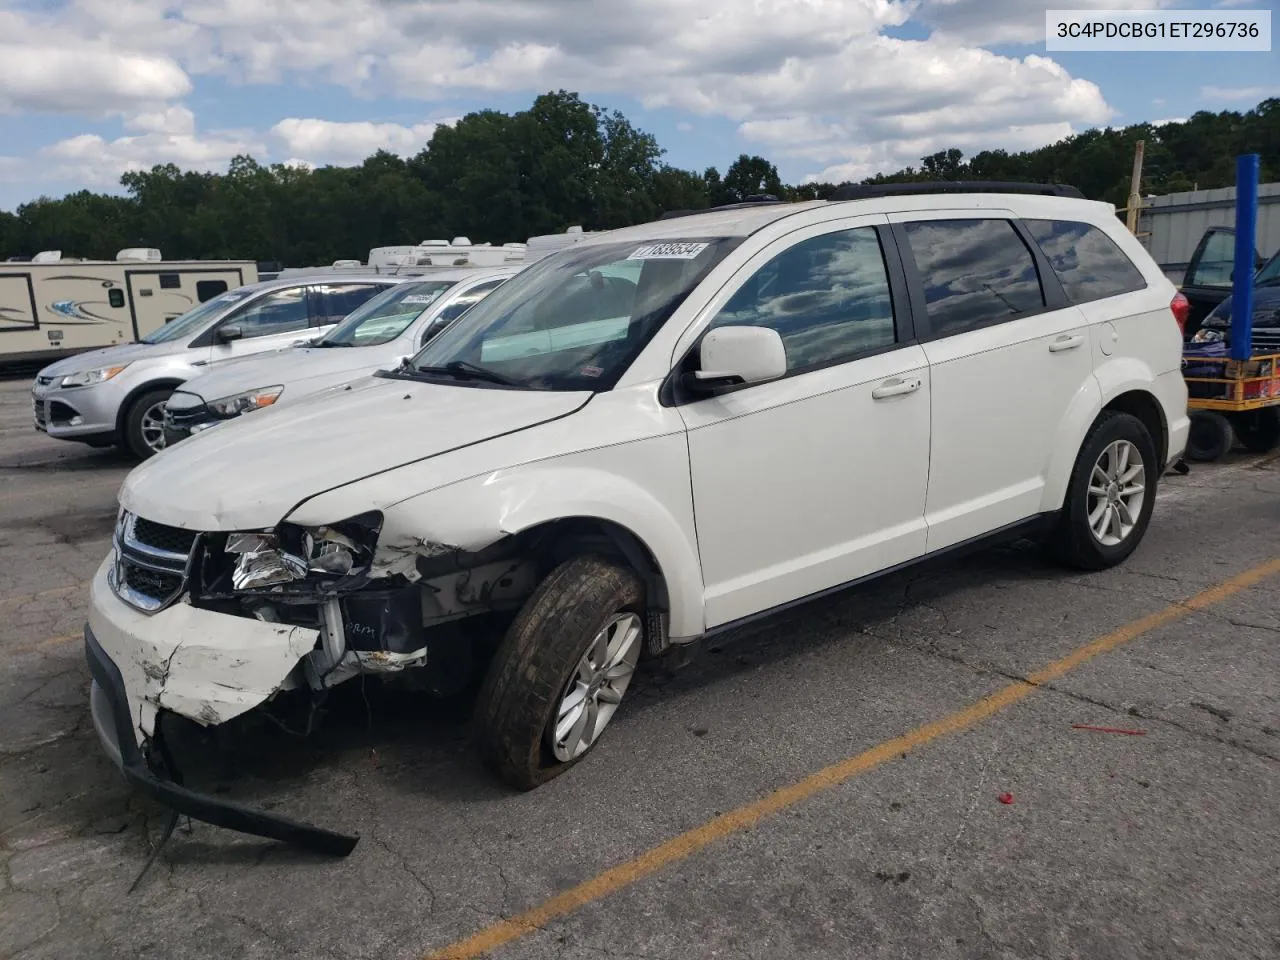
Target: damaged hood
column 301, row 370
column 251, row 472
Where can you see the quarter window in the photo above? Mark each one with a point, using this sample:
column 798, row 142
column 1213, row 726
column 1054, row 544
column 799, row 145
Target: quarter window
column 1088, row 263
column 974, row 272
column 828, row 297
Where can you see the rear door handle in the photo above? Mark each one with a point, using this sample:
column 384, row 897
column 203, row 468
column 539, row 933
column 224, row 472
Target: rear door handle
column 895, row 388
column 1066, row 343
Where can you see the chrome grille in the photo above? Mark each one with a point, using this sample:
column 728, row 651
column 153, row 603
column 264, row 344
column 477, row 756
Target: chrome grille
column 152, row 562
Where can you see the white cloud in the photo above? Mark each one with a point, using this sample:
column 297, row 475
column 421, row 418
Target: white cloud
column 818, row 69
column 330, row 141
column 1255, row 94
column 91, row 159
column 990, row 22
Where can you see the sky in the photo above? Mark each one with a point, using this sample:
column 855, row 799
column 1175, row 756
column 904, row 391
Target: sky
column 827, row 89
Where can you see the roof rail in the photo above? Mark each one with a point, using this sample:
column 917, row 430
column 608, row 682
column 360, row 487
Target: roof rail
column 859, row 191
column 757, row 200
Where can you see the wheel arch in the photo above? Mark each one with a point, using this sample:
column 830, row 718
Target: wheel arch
column 1126, row 385
column 122, row 414
column 559, row 509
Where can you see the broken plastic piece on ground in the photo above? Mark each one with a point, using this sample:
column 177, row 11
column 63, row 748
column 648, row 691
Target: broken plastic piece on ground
column 1131, row 733
column 1005, row 798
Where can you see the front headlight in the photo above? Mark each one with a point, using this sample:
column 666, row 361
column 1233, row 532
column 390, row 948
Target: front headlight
column 1206, row 335
column 87, row 378
column 290, row 554
column 239, row 403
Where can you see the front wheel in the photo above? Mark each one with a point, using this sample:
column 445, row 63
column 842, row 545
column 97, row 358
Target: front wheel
column 561, row 671
column 1110, row 494
column 144, row 424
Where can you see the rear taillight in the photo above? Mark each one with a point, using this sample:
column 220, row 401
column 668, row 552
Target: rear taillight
column 1181, row 308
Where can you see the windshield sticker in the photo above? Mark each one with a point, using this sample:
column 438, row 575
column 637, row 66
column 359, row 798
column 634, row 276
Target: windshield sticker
column 421, row 298
column 668, row 251
column 591, row 371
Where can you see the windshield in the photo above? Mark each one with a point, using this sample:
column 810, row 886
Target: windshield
column 1269, row 275
column 577, row 319
column 191, row 321
column 384, row 317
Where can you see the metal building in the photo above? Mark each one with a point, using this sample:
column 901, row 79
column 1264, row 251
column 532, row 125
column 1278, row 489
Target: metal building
column 1172, row 225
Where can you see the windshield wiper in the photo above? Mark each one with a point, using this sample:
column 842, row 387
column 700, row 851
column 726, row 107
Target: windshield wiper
column 465, row 370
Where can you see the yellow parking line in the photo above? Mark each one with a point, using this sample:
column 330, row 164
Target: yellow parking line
column 690, row 842
column 9, row 603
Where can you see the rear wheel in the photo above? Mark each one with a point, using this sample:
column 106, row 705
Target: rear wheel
column 1110, row 494
column 144, row 424
column 1258, row 430
column 561, row 671
column 1210, row 436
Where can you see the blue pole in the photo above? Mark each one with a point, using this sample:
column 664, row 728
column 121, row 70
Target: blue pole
column 1242, row 273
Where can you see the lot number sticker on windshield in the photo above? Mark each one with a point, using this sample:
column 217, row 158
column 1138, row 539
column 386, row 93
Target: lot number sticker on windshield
column 421, row 298
column 668, row 251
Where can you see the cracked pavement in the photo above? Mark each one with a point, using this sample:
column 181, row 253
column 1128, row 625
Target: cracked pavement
column 1164, row 844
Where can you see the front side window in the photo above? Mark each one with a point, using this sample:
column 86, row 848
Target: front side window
column 336, row 300
column 383, row 318
column 1086, row 261
column 974, row 273
column 828, row 298
column 280, row 311
column 574, row 320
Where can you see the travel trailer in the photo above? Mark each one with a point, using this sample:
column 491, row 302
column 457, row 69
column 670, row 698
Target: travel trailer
column 414, row 260
column 53, row 306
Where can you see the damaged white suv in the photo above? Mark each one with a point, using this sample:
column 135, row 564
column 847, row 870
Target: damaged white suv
column 639, row 441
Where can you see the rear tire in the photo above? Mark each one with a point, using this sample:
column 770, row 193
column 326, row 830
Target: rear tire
column 1209, row 438
column 539, row 667
column 1110, row 494
column 1258, row 430
column 144, row 425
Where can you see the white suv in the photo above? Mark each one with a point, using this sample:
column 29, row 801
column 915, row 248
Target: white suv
column 643, row 440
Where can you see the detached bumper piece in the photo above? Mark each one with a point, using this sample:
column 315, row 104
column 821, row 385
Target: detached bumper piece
column 222, row 813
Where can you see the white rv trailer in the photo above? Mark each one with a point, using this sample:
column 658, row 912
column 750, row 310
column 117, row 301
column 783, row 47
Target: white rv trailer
column 53, row 306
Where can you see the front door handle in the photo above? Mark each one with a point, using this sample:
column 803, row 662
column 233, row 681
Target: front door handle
column 1066, row 343
column 895, row 388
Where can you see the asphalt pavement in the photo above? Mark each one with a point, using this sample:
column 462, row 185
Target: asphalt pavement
column 991, row 758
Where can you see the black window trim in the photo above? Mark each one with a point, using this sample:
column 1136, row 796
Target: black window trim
column 1146, row 284
column 671, row 394
column 1054, row 296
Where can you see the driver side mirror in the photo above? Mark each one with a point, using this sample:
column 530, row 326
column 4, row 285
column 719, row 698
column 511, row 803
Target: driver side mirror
column 731, row 357
column 229, row 332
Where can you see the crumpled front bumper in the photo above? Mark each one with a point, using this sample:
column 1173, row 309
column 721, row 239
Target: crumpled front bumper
column 110, row 708
column 206, row 666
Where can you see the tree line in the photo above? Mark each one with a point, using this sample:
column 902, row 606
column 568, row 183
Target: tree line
column 501, row 177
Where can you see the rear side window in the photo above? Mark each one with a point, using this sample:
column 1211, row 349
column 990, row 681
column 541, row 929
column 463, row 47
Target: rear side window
column 170, row 281
column 974, row 272
column 336, row 300
column 208, row 289
column 1088, row 263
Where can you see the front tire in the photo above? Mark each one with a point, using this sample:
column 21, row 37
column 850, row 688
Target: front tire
column 561, row 671
column 144, row 424
column 1110, row 494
